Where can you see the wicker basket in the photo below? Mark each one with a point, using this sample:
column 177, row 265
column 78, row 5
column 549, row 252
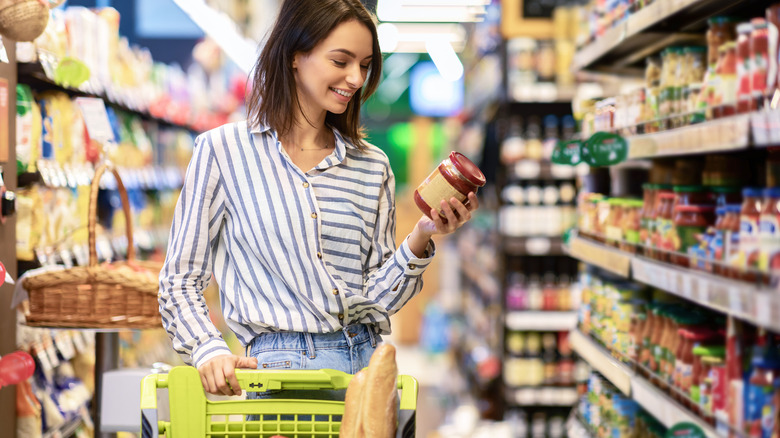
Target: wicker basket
column 109, row 295
column 23, row 20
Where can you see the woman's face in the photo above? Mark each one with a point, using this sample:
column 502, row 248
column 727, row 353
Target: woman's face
column 329, row 75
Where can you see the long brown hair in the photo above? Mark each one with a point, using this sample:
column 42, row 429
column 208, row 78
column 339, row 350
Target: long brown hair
column 300, row 26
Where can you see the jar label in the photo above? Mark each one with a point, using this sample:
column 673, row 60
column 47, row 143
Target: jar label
column 769, row 242
column 686, row 376
column 435, row 188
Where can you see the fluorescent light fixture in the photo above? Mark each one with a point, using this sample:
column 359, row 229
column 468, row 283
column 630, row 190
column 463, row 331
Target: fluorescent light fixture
column 445, row 59
column 224, row 31
column 444, row 2
column 411, row 37
column 449, row 12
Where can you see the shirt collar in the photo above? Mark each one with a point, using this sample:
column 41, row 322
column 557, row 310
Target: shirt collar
column 342, row 144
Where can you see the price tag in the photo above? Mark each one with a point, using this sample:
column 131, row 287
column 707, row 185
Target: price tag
column 96, row 118
column 538, row 245
column 763, row 306
column 736, row 301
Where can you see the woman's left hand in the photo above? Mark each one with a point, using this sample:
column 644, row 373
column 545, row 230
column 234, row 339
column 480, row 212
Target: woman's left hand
column 456, row 213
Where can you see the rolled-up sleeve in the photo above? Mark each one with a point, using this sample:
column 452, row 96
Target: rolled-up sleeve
column 394, row 275
column 187, row 270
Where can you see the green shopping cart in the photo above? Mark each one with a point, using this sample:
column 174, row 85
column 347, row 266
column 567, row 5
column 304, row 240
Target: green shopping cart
column 193, row 415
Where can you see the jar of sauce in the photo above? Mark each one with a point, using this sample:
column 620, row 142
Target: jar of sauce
column 749, row 215
column 646, row 214
column 769, row 231
column 760, row 411
column 731, row 232
column 456, row 177
column 773, row 18
column 721, row 30
column 690, row 223
column 724, row 195
column 726, row 95
column 664, row 225
column 706, row 386
column 690, row 195
column 744, row 59
column 698, row 372
column 759, row 53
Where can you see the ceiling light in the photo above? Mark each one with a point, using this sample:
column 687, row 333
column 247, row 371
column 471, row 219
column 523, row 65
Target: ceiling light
column 411, row 37
column 445, row 59
column 450, row 12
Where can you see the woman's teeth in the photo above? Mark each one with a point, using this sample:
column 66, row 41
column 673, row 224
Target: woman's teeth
column 343, row 93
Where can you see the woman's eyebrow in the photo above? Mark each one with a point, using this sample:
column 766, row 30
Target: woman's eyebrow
column 349, row 53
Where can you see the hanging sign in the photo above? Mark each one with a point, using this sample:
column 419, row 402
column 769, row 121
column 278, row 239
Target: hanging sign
column 685, row 430
column 604, row 149
column 567, row 152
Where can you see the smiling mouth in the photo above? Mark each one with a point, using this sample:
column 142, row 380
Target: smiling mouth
column 342, row 93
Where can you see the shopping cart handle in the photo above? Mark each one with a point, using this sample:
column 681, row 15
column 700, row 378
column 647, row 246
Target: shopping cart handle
column 149, row 385
column 265, row 380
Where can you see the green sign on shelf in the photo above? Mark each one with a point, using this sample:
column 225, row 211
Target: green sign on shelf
column 685, row 430
column 567, row 152
column 604, row 149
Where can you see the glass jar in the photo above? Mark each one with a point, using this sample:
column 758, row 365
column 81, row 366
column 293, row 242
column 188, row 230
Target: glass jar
column 721, row 30
column 695, row 64
column 759, row 53
column 749, row 216
column 664, row 226
column 773, row 18
column 744, row 59
column 455, row 178
column 725, row 195
column 769, row 231
column 726, row 92
column 690, row 224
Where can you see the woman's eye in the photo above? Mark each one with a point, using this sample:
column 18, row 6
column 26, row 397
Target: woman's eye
column 339, row 63
column 364, row 67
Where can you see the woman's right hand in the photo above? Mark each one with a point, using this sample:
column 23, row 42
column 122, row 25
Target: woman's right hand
column 218, row 375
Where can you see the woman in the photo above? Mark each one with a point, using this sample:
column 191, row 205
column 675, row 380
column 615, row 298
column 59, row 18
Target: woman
column 294, row 213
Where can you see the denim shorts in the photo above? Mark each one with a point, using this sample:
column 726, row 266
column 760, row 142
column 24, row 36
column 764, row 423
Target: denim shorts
column 348, row 350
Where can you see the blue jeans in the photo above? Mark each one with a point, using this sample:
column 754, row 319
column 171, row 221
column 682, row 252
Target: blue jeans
column 348, row 350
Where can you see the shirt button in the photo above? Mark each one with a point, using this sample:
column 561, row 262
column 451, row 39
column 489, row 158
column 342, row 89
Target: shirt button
column 411, row 266
column 305, row 185
column 319, row 255
column 341, row 316
column 335, row 291
column 314, row 215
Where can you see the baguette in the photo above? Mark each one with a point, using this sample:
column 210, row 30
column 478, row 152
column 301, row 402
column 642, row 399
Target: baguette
column 380, row 394
column 350, row 421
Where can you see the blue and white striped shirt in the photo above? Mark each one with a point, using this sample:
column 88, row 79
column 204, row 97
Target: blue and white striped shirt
column 290, row 251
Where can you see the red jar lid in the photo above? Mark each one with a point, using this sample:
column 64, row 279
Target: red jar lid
column 468, row 169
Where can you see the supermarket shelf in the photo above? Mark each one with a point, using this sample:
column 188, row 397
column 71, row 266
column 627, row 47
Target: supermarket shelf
column 613, row 370
column 647, row 395
column 749, row 302
column 527, row 169
column 746, row 301
column 32, row 74
column 648, row 31
column 727, row 134
column 541, row 245
column 541, row 396
column 610, row 259
column 541, row 321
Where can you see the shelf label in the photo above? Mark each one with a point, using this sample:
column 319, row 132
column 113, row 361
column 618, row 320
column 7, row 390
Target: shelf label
column 685, row 430
column 567, row 152
column 604, row 149
column 605, row 258
column 96, row 119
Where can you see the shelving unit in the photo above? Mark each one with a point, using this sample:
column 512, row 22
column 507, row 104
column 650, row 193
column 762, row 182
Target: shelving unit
column 664, row 408
column 541, row 396
column 758, row 305
column 660, row 24
column 550, row 321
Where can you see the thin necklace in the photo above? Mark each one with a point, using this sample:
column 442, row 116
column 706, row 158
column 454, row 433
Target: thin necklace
column 327, row 146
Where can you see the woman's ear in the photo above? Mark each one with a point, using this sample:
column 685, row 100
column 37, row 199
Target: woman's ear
column 295, row 61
